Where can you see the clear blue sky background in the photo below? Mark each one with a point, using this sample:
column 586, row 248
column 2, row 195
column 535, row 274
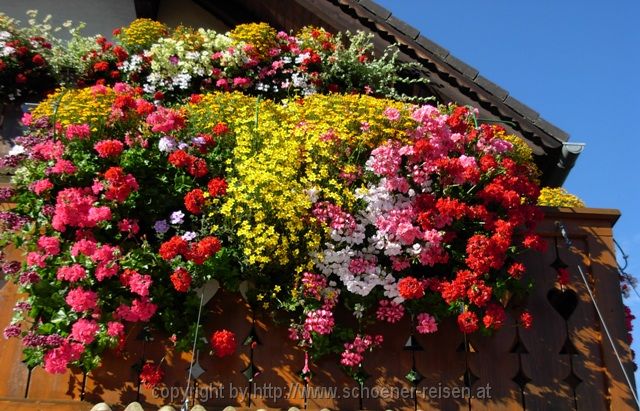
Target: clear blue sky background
column 576, row 62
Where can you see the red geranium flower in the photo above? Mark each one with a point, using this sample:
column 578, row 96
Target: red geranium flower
column 120, row 53
column 457, row 288
column 535, row 242
column 119, row 185
column 410, row 288
column 109, row 148
column 151, row 375
column 38, row 60
column 205, row 248
column 487, row 162
column 516, row 270
column 143, row 107
column 485, row 253
column 494, row 317
column 181, row 280
column 458, row 120
column 198, row 168
column 172, row 248
column 479, row 294
column 101, row 66
column 526, row 319
column 223, row 343
column 468, row 322
column 180, row 159
column 123, row 101
column 220, row 129
column 217, row 187
column 194, row 200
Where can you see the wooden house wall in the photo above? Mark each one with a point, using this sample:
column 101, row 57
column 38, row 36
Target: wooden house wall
column 561, row 363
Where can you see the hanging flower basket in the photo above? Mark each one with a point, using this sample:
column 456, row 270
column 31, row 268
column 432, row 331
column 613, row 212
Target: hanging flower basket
column 286, row 167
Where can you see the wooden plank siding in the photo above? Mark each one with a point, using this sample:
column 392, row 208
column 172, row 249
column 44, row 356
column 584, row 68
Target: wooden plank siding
column 525, row 369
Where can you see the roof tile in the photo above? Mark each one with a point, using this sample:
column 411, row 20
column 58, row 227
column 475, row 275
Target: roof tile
column 403, row 27
column 551, row 129
column 522, row 109
column 433, row 47
column 462, row 67
column 492, row 87
column 375, row 8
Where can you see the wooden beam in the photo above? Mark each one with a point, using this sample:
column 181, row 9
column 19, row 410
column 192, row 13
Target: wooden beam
column 147, row 8
column 231, row 13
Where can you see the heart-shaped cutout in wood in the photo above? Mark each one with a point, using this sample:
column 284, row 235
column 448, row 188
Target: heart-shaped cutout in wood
column 563, row 301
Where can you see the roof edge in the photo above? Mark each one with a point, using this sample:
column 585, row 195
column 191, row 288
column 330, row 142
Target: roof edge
column 386, row 17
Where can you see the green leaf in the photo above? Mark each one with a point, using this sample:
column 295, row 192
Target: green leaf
column 60, row 318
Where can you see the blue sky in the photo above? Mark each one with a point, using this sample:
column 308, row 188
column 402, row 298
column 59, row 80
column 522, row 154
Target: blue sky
column 576, row 62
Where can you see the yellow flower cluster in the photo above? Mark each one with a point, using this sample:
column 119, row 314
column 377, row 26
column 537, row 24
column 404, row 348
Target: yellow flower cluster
column 264, row 201
column 260, row 35
column 558, row 197
column 142, row 33
column 77, row 106
column 236, row 109
column 521, row 151
column 287, row 155
column 267, row 198
column 339, row 132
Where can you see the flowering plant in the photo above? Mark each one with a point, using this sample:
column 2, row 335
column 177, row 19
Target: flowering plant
column 432, row 233
column 101, row 64
column 141, row 34
column 252, row 58
column 84, row 185
column 127, row 203
column 558, row 197
column 256, row 59
column 223, row 343
column 24, row 67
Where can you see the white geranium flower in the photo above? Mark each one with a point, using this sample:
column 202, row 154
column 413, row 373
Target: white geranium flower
column 16, row 150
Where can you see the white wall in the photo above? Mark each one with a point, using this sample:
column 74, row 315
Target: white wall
column 101, row 16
